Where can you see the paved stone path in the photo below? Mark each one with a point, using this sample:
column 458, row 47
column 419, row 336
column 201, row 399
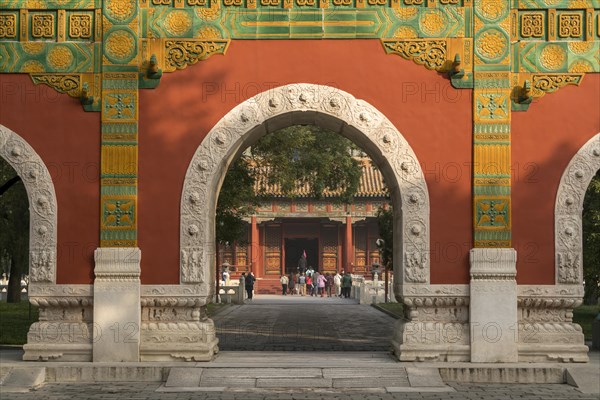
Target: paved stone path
column 294, row 323
column 147, row 391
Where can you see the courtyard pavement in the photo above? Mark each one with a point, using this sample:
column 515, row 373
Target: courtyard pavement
column 296, row 323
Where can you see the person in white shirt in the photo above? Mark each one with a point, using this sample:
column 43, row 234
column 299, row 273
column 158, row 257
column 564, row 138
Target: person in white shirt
column 284, row 284
column 337, row 283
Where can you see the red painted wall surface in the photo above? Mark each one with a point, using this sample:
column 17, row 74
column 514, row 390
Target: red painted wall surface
column 544, row 140
column 434, row 118
column 68, row 141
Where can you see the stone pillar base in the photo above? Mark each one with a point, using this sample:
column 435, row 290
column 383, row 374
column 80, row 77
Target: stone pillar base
column 179, row 342
column 553, row 353
column 493, row 311
column 117, row 304
column 546, row 329
column 65, row 330
column 435, row 326
column 175, row 326
column 58, row 352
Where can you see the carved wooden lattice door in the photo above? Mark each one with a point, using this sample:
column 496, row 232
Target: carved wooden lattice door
column 273, row 250
column 329, row 249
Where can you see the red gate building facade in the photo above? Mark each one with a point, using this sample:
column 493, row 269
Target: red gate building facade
column 481, row 115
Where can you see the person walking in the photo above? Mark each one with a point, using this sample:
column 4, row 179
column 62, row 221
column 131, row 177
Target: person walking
column 302, row 262
column 302, row 284
column 292, row 283
column 329, row 283
column 315, row 280
column 249, row 282
column 337, row 283
column 284, row 284
column 321, row 283
column 309, row 285
column 310, row 271
column 242, row 282
column 346, row 285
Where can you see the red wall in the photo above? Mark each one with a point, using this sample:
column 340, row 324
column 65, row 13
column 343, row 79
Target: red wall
column 544, row 140
column 68, row 141
column 434, row 118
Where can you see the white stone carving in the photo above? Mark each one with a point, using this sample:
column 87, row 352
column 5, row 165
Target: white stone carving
column 304, row 104
column 546, row 331
column 117, row 287
column 568, row 212
column 493, row 310
column 42, row 204
column 64, row 331
column 280, row 107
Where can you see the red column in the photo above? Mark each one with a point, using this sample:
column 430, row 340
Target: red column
column 348, row 245
column 255, row 264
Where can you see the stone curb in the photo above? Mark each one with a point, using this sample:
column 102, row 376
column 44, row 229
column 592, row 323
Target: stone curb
column 383, row 310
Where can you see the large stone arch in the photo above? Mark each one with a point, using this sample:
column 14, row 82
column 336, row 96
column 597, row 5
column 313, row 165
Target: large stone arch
column 42, row 205
column 444, row 307
column 568, row 235
column 64, row 327
column 305, row 104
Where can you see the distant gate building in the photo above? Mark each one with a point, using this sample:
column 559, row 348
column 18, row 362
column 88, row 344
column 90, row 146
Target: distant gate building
column 336, row 237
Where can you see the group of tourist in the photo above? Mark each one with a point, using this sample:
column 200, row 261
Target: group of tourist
column 313, row 283
column 247, row 281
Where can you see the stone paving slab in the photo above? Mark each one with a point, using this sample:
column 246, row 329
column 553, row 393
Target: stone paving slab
column 309, row 383
column 364, row 372
column 424, row 377
column 184, row 377
column 152, row 391
column 360, row 382
column 586, row 379
column 229, row 382
column 265, row 372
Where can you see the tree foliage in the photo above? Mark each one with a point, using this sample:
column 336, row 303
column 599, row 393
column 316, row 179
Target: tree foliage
column 290, row 157
column 310, row 155
column 236, row 201
column 591, row 240
column 385, row 220
column 14, row 229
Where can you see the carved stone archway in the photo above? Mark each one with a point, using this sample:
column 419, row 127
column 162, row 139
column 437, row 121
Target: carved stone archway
column 568, row 233
column 362, row 123
column 42, row 205
column 546, row 330
column 65, row 323
column 304, row 104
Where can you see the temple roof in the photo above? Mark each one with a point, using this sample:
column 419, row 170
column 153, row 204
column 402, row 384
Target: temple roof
column 371, row 184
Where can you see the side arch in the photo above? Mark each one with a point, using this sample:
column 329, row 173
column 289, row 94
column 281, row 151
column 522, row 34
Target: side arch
column 568, row 235
column 305, row 104
column 42, row 205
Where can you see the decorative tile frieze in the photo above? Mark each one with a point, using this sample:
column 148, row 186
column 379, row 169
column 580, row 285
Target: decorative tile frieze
column 43, row 26
column 8, row 25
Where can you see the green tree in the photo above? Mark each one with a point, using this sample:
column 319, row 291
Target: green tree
column 290, row 158
column 14, row 229
column 309, row 155
column 236, row 201
column 591, row 241
column 385, row 220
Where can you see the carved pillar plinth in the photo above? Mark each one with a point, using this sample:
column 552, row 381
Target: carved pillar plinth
column 117, row 304
column 493, row 311
column 64, row 331
column 175, row 326
column 435, row 326
column 546, row 328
